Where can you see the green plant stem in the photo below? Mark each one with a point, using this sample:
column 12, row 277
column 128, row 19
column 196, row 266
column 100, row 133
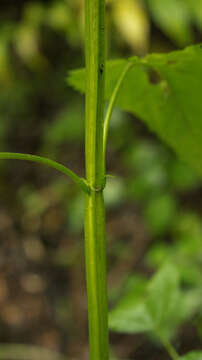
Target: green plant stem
column 95, row 237
column 170, row 349
column 96, row 276
column 112, row 103
column 51, row 163
column 95, row 73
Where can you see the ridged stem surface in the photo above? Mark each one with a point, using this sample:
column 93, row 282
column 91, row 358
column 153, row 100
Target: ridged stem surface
column 95, row 237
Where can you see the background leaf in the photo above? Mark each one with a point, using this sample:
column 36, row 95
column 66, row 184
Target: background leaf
column 195, row 355
column 164, row 91
column 158, row 307
column 176, row 18
column 178, row 25
column 131, row 315
column 164, row 299
column 195, row 6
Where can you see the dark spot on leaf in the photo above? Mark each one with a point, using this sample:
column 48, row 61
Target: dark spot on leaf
column 101, row 68
column 154, row 77
column 171, row 62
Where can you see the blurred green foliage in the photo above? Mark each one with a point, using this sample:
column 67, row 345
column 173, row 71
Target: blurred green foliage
column 39, row 42
column 158, row 306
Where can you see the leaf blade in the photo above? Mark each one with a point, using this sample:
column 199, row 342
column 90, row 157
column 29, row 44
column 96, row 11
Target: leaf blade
column 194, row 355
column 162, row 90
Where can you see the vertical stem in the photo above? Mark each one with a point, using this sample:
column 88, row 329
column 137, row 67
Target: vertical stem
column 169, row 347
column 95, row 238
column 95, row 75
column 96, row 276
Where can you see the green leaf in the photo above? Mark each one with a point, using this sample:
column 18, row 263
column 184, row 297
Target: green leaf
column 164, row 90
column 159, row 213
column 195, row 7
column 130, row 315
column 175, row 305
column 191, row 302
column 160, row 307
column 114, row 192
column 181, row 177
column 164, row 300
column 174, row 18
column 194, row 355
column 131, row 319
column 67, row 127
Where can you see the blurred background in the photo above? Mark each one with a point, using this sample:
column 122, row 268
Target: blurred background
column 154, row 201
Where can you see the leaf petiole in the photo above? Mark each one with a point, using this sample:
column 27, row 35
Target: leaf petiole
column 51, row 163
column 169, row 347
column 112, row 103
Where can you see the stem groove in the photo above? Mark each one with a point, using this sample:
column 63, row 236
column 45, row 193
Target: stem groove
column 95, row 237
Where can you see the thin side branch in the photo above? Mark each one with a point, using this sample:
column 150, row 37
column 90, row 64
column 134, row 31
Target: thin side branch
column 51, row 163
column 112, row 103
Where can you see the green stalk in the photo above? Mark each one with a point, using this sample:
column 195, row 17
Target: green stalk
column 169, row 347
column 95, row 237
column 48, row 162
column 112, row 103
